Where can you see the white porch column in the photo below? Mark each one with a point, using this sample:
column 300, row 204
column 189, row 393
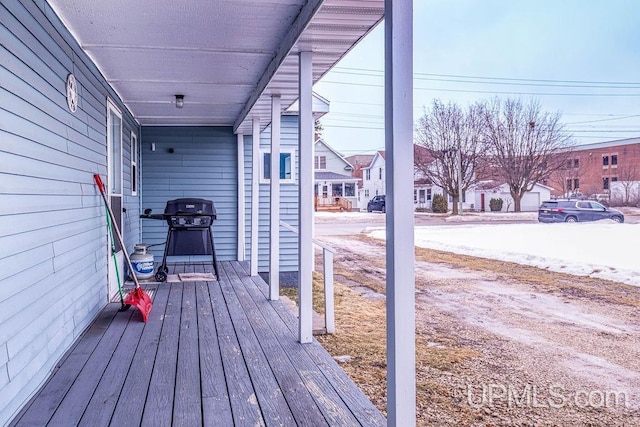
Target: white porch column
column 274, row 205
column 241, row 204
column 401, row 359
column 255, row 194
column 305, row 200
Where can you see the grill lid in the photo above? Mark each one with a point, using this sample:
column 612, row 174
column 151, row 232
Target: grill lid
column 190, row 206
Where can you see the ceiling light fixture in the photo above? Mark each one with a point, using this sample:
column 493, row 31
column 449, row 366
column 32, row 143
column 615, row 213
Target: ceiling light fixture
column 179, row 101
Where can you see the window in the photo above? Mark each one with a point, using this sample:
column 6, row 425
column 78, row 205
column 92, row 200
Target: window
column 287, row 167
column 576, row 183
column 379, row 173
column 614, row 159
column 321, row 162
column 134, row 164
column 569, row 181
column 569, row 163
column 614, row 179
column 336, row 189
column 325, row 191
column 576, row 163
column 367, row 174
column 366, row 193
column 605, row 160
column 605, row 183
column 415, row 196
column 428, row 194
column 349, row 189
column 422, row 192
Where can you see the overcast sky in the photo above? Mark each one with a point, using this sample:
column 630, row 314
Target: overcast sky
column 578, row 57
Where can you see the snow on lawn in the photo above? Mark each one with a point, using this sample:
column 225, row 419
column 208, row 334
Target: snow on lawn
column 599, row 249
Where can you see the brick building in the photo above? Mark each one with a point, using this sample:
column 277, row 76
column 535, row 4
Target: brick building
column 593, row 169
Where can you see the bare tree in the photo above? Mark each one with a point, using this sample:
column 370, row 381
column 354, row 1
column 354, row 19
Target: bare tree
column 526, row 144
column 452, row 138
column 567, row 178
column 628, row 182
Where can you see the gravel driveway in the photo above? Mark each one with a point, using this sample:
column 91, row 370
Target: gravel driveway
column 559, row 351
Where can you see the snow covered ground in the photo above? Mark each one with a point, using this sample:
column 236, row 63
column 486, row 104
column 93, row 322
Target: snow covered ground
column 600, row 249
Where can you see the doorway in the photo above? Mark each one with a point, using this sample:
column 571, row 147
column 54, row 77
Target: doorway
column 114, row 192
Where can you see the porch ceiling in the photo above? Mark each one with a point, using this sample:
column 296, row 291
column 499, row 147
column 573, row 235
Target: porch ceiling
column 227, row 57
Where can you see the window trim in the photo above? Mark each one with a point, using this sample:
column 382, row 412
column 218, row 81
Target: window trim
column 318, row 162
column 292, row 152
column 135, row 149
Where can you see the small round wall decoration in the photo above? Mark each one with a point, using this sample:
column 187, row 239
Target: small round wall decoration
column 72, row 93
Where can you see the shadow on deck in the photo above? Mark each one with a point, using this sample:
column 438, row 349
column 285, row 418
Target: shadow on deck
column 211, row 353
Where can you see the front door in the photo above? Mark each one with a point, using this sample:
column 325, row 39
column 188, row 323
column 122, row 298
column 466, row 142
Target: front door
column 114, row 191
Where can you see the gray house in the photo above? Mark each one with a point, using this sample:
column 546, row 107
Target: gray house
column 168, row 100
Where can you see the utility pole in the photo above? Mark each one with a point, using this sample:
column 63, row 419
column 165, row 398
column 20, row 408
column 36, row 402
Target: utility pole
column 459, row 181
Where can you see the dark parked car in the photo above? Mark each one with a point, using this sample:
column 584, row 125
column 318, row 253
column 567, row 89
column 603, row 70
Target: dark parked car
column 376, row 204
column 576, row 211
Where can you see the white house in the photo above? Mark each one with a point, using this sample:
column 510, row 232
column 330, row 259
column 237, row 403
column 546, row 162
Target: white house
column 485, row 191
column 334, row 185
column 373, row 179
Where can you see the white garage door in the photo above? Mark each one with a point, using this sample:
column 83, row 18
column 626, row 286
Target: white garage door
column 530, row 202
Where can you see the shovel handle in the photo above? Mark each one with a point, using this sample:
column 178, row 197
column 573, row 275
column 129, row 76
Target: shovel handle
column 99, row 182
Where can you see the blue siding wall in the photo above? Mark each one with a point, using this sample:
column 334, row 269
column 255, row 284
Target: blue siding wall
column 203, row 165
column 53, row 247
column 288, row 201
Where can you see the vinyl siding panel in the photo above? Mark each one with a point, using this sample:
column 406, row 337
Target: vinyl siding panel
column 288, row 200
column 203, row 165
column 53, row 247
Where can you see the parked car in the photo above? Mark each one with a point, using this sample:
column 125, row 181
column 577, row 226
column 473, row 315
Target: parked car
column 376, row 204
column 576, row 211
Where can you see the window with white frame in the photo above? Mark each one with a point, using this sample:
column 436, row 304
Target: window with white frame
column 320, row 162
column 366, row 193
column 349, row 189
column 287, row 166
column 134, row 164
column 379, row 173
column 367, row 174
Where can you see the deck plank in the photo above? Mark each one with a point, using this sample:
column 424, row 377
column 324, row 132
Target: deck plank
column 216, row 407
column 211, row 353
column 158, row 410
column 303, row 406
column 77, row 398
column 244, row 403
column 316, row 385
column 187, row 404
column 273, row 405
column 360, row 405
column 131, row 402
column 105, row 397
column 42, row 407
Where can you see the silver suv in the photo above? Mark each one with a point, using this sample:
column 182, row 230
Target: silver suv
column 576, row 211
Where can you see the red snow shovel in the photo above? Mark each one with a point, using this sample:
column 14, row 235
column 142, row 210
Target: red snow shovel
column 137, row 297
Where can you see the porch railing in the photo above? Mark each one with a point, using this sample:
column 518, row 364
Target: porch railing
column 345, row 204
column 327, row 270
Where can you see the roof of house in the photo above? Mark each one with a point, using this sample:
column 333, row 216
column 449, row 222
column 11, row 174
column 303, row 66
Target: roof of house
column 332, row 176
column 360, row 159
column 606, row 144
column 322, row 141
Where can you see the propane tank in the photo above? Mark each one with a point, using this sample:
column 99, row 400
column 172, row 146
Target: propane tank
column 142, row 261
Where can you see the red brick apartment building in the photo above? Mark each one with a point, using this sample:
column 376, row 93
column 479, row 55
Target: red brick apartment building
column 592, row 168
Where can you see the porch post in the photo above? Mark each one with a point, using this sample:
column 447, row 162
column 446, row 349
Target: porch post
column 274, row 205
column 305, row 200
column 241, row 217
column 255, row 193
column 401, row 359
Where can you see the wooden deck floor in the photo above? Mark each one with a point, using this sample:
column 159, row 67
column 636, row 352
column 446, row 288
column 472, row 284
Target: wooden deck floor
column 212, row 353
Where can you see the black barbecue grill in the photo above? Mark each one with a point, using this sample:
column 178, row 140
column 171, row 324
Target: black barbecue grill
column 189, row 233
